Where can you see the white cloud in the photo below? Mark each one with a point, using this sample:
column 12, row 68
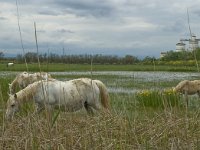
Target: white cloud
column 99, row 26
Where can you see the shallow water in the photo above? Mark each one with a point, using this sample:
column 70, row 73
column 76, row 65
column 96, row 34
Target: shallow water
column 125, row 77
column 148, row 76
column 130, row 76
column 122, row 90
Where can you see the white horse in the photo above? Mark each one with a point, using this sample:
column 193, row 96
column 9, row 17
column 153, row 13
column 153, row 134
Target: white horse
column 23, row 79
column 187, row 87
column 10, row 64
column 70, row 95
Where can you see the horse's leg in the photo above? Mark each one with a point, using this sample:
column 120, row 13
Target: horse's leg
column 38, row 108
column 186, row 98
column 198, row 92
column 48, row 111
column 88, row 108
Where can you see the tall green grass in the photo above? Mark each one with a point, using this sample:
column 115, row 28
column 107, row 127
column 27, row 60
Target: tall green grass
column 158, row 99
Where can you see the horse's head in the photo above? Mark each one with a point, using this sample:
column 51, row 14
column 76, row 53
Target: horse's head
column 12, row 106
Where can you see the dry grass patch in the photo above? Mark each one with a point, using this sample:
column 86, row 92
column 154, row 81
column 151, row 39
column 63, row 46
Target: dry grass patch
column 169, row 129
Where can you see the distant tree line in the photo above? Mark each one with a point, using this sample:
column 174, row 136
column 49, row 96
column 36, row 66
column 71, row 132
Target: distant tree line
column 76, row 59
column 170, row 56
column 1, row 55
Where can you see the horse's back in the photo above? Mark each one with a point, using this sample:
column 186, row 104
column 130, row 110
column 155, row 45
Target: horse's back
column 191, row 87
column 58, row 90
column 85, row 85
column 182, row 84
column 72, row 95
column 197, row 82
column 88, row 90
column 57, row 86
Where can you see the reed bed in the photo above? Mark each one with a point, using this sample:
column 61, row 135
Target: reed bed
column 130, row 125
column 168, row 130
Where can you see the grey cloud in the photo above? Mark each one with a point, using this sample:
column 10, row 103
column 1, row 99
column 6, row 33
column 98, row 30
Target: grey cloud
column 65, row 31
column 8, row 1
column 3, row 18
column 87, row 7
column 195, row 12
column 41, row 31
column 176, row 27
column 6, row 44
column 48, row 13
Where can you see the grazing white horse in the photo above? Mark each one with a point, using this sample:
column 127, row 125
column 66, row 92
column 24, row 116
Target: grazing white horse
column 23, row 79
column 187, row 87
column 69, row 96
column 10, row 64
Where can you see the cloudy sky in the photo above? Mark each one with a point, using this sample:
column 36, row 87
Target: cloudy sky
column 109, row 27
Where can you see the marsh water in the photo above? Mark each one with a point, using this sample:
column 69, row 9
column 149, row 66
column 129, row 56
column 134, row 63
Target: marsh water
column 126, row 81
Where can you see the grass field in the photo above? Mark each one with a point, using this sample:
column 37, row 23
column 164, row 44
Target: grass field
column 136, row 121
column 96, row 67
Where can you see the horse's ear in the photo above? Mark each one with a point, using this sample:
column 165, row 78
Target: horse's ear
column 15, row 95
column 9, row 94
column 9, row 85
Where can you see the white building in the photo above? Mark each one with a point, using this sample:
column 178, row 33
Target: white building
column 180, row 47
column 162, row 54
column 193, row 42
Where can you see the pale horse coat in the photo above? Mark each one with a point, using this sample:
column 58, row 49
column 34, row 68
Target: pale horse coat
column 23, row 79
column 187, row 87
column 69, row 96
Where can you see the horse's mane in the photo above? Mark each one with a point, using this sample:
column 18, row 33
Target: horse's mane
column 15, row 82
column 23, row 79
column 28, row 92
column 43, row 75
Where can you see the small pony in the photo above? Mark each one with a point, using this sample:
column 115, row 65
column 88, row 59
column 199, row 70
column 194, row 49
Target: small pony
column 187, row 87
column 70, row 95
column 23, row 79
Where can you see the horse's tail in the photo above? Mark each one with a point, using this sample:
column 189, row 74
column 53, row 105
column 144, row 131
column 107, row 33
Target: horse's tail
column 104, row 94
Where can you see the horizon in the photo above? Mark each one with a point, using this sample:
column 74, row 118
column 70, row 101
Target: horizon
column 6, row 55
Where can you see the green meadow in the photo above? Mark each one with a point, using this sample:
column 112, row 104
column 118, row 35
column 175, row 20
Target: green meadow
column 52, row 67
column 145, row 112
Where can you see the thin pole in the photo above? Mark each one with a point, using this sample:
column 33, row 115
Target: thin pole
column 20, row 33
